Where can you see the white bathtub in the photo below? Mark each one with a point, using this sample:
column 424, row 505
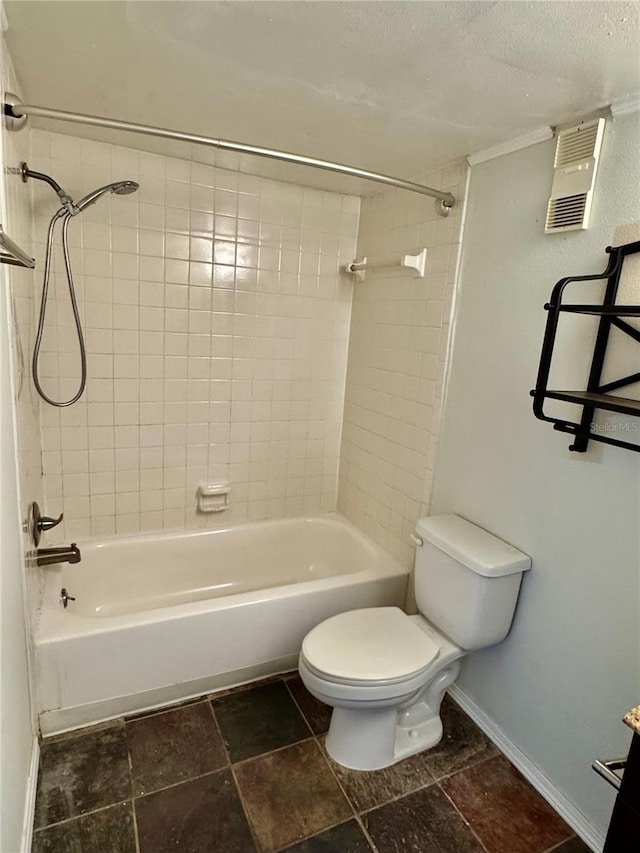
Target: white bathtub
column 159, row 618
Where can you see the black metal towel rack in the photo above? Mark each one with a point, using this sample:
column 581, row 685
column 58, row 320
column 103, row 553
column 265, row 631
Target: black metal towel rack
column 596, row 395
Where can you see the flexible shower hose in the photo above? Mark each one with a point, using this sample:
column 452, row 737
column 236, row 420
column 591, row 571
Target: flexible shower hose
column 65, row 216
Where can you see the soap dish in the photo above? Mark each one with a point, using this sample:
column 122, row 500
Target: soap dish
column 213, row 497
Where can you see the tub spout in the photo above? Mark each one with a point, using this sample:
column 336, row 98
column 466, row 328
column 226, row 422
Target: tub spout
column 65, row 554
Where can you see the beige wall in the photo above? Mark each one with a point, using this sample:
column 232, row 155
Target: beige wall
column 560, row 683
column 397, row 356
column 23, row 288
column 17, row 725
column 210, row 360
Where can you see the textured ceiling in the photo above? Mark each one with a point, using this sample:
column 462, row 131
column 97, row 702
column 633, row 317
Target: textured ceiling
column 398, row 87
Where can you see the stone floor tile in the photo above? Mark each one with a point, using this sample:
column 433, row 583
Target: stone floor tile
column 173, row 746
column 290, row 794
column 256, row 721
column 462, row 744
column 345, row 838
column 82, row 773
column 109, row 830
column 370, row 788
column 199, row 816
column 422, row 822
column 505, row 811
column 316, row 713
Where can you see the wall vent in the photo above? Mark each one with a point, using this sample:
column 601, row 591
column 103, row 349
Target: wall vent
column 574, row 177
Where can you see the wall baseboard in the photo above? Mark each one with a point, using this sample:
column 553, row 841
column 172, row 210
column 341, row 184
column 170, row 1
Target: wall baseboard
column 545, row 787
column 30, row 798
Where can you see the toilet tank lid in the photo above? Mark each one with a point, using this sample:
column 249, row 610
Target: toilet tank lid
column 475, row 548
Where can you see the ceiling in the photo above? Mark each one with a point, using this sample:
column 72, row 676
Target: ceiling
column 396, row 87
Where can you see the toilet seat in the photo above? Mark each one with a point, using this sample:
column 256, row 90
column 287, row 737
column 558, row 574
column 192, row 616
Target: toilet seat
column 372, row 646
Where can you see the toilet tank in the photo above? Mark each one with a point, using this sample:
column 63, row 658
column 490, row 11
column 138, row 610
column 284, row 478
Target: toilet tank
column 467, row 580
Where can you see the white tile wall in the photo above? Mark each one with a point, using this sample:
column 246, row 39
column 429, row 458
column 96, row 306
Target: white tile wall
column 217, row 323
column 397, row 360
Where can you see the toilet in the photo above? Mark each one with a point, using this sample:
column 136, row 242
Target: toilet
column 385, row 673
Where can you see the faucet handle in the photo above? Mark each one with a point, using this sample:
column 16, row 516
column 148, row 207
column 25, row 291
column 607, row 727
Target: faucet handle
column 42, row 523
column 46, row 522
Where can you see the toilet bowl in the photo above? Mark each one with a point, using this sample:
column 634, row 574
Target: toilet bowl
column 385, row 688
column 384, row 672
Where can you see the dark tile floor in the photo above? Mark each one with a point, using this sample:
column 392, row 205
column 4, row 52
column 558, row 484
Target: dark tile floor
column 247, row 771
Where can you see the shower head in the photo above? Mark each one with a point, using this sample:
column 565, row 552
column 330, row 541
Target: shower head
column 125, row 187
column 119, row 188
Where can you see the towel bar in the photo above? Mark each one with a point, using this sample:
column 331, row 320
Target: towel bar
column 11, row 253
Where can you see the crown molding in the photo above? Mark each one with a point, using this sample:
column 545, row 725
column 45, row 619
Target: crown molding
column 542, row 134
column 630, row 104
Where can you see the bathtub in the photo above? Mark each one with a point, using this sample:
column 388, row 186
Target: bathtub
column 164, row 617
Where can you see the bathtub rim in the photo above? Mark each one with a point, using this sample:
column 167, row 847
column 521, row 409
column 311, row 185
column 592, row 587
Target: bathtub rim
column 54, row 624
column 93, row 542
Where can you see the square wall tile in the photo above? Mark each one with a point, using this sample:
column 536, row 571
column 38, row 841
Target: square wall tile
column 183, row 291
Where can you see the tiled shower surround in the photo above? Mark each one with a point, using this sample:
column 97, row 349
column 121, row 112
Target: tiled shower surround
column 217, row 322
column 398, row 352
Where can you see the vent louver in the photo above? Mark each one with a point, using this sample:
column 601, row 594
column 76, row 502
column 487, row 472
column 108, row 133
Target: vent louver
column 575, row 166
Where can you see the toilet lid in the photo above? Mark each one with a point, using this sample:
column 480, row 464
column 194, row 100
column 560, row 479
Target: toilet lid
column 375, row 644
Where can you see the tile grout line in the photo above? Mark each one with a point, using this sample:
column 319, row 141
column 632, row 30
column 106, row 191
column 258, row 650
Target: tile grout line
column 296, row 703
column 234, row 779
column 395, row 799
column 464, row 819
column 176, row 784
column 338, row 782
column 233, row 765
column 476, row 763
column 224, row 692
column 271, row 751
column 357, row 815
column 133, row 808
column 83, row 814
column 136, row 717
column 245, row 810
column 219, row 731
column 311, row 837
column 316, row 738
column 365, row 832
column 72, row 734
column 564, row 841
column 135, row 826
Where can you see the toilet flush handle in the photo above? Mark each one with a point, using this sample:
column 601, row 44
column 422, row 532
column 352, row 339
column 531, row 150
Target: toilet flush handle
column 418, row 541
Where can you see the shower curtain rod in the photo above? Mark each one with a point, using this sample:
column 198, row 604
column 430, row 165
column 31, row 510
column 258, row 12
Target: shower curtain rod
column 17, row 112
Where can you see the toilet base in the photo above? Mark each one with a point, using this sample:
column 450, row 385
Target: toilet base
column 374, row 738
column 362, row 740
